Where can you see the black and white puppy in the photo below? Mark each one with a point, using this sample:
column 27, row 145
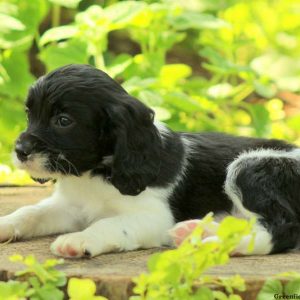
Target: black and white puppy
column 123, row 181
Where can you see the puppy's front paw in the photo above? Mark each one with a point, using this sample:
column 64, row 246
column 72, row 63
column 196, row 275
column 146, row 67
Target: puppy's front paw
column 72, row 245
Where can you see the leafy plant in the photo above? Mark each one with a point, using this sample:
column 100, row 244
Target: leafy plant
column 285, row 284
column 173, row 274
column 44, row 282
column 179, row 274
column 82, row 289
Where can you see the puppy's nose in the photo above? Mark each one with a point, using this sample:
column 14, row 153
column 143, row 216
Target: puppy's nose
column 23, row 150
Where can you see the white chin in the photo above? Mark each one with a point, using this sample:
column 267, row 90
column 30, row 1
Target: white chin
column 35, row 165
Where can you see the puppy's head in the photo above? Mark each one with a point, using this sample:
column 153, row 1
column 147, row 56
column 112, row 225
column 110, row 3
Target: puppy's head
column 77, row 116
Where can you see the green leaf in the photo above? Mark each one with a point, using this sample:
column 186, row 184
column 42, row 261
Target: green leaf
column 235, row 282
column 174, row 273
column 8, row 23
column 182, row 102
column 218, row 295
column 221, row 90
column 220, row 64
column 231, row 225
column 271, row 287
column 119, row 65
column 161, row 114
column 13, row 290
column 58, row 277
column 53, row 262
column 190, row 19
column 284, row 70
column 260, row 119
column 30, row 260
column 58, row 33
column 12, row 122
column 49, row 292
column 30, row 14
column 294, row 122
column 81, row 288
column 66, row 3
column 150, row 98
column 267, row 90
column 153, row 260
column 234, row 297
column 136, row 84
column 16, row 258
column 123, row 12
column 17, row 66
column 35, row 283
column 8, row 8
column 170, row 74
column 203, row 293
column 292, row 287
column 64, row 53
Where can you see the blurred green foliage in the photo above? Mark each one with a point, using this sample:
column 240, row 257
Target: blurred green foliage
column 43, row 281
column 222, row 65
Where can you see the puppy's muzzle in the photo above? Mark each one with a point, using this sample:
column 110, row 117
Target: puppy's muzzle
column 23, row 150
column 24, row 147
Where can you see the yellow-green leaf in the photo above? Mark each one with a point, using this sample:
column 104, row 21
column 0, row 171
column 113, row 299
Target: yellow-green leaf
column 58, row 33
column 171, row 74
column 81, row 289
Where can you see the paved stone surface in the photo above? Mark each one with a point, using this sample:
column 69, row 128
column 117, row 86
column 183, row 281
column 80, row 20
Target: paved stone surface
column 113, row 272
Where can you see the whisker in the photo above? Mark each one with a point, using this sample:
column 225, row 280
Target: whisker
column 71, row 165
column 55, row 168
column 60, row 166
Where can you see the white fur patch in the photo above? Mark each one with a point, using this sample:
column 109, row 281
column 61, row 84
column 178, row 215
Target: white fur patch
column 35, row 165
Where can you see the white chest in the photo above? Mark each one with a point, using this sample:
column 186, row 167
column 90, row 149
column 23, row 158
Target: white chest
column 98, row 199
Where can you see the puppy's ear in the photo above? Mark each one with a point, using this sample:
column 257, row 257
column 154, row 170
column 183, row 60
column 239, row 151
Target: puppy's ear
column 137, row 146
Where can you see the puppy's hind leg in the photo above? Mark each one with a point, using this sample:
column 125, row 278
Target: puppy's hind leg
column 183, row 229
column 265, row 184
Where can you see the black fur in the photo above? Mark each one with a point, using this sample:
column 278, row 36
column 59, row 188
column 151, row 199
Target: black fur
column 108, row 122
column 201, row 190
column 270, row 188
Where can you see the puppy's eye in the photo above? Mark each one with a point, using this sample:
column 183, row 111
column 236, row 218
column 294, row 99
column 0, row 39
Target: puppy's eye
column 64, row 121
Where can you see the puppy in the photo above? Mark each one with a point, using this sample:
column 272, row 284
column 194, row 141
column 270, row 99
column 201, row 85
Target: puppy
column 123, row 181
